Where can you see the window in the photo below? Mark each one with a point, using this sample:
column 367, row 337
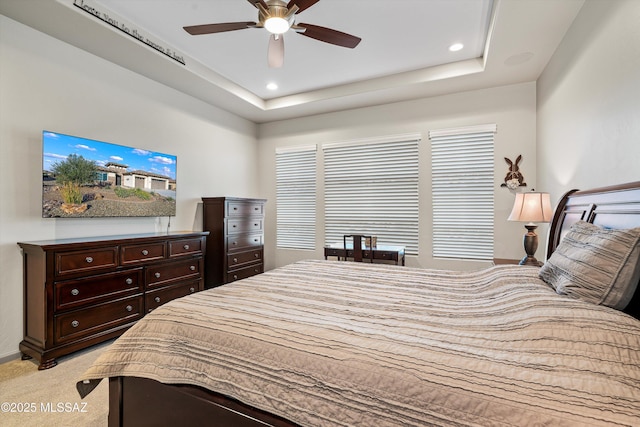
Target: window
column 296, row 197
column 371, row 188
column 462, row 192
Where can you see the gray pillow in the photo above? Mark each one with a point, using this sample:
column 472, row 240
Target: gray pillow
column 596, row 264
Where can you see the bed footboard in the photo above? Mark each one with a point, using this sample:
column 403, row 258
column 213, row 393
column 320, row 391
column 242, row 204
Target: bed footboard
column 143, row 402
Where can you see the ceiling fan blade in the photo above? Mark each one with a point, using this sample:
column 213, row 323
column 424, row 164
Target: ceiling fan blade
column 195, row 30
column 328, row 35
column 275, row 55
column 302, row 4
column 253, row 2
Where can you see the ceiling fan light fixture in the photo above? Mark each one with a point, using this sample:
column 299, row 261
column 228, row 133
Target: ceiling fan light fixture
column 277, row 25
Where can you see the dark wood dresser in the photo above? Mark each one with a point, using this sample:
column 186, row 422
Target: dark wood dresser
column 79, row 292
column 235, row 246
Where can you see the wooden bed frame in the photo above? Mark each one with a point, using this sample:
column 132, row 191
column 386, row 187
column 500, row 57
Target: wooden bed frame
column 143, row 402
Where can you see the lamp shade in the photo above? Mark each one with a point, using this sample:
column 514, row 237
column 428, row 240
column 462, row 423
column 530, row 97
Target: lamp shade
column 531, row 207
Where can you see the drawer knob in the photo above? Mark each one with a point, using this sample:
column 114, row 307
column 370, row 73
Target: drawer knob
column 75, row 323
column 235, row 260
column 157, row 275
column 234, row 243
column 235, row 277
column 192, row 267
column 129, row 281
column 145, row 252
column 192, row 289
column 257, row 270
column 129, row 308
column 157, row 299
column 74, row 292
column 256, row 208
column 235, row 208
column 256, row 255
column 255, row 225
column 89, row 259
column 256, row 240
column 186, row 247
column 234, row 225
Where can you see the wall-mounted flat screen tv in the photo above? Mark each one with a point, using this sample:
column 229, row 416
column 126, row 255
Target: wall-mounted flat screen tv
column 83, row 178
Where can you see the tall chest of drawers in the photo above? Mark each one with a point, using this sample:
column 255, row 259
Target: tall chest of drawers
column 79, row 292
column 235, row 246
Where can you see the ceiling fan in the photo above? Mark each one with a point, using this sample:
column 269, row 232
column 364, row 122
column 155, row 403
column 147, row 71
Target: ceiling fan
column 278, row 17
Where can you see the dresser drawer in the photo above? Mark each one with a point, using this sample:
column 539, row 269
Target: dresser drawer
column 387, row 255
column 185, row 247
column 238, row 259
column 339, row 252
column 244, row 225
column 243, row 242
column 244, row 208
column 156, row 298
column 243, row 273
column 135, row 254
column 102, row 317
column 95, row 289
column 86, row 260
column 158, row 275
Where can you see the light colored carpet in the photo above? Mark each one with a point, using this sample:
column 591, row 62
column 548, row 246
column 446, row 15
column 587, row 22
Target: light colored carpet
column 49, row 398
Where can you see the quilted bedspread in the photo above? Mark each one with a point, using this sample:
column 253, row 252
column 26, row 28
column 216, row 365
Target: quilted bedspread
column 328, row 343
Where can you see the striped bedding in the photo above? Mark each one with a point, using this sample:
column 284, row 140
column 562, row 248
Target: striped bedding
column 328, row 343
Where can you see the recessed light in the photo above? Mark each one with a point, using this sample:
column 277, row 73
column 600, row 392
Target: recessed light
column 456, row 47
column 272, row 86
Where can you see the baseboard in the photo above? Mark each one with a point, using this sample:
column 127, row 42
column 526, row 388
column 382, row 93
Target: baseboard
column 10, row 357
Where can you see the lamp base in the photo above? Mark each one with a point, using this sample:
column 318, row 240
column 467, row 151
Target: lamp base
column 530, row 260
column 530, row 246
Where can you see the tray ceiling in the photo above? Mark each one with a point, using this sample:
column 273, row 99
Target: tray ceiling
column 404, row 53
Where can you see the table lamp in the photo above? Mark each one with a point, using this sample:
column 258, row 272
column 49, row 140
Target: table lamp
column 531, row 207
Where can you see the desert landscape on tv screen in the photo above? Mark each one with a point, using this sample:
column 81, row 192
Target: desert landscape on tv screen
column 87, row 178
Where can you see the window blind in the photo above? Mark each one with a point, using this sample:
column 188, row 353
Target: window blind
column 371, row 188
column 462, row 192
column 296, row 198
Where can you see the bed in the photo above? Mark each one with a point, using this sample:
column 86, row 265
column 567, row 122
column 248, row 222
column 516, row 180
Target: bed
column 334, row 343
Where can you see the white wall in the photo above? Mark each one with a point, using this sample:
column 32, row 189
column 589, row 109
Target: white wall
column 512, row 108
column 47, row 84
column 589, row 101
